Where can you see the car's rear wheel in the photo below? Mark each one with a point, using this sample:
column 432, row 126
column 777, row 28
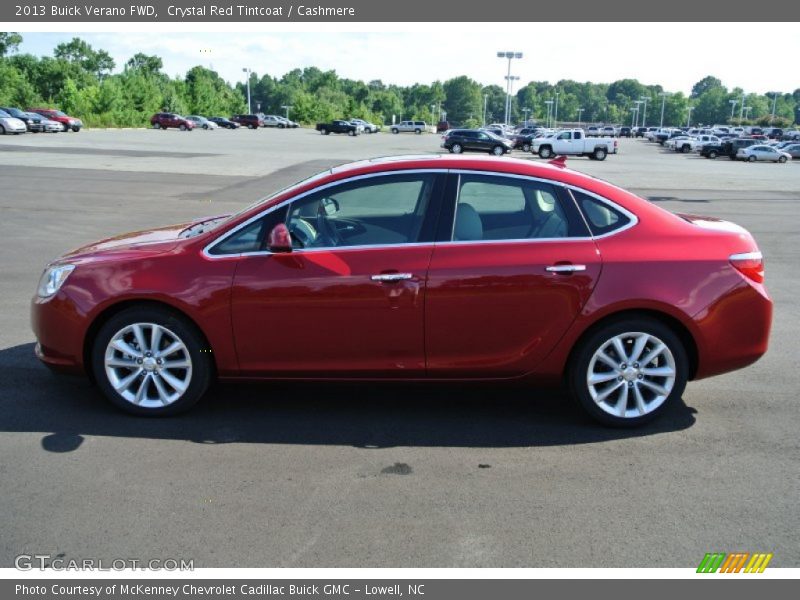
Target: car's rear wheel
column 628, row 371
column 394, row 130
column 685, row 148
column 599, row 154
column 456, row 149
column 182, row 127
column 526, row 147
column 498, row 151
column 156, row 126
column 712, row 154
column 149, row 361
column 782, row 159
column 417, row 131
column 353, row 133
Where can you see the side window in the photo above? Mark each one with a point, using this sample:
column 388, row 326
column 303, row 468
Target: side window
column 369, row 212
column 602, row 218
column 563, row 136
column 578, row 135
column 499, row 208
column 250, row 238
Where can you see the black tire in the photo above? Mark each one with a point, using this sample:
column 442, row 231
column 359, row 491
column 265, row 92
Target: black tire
column 182, row 127
column 202, row 365
column 599, row 153
column 545, row 152
column 2, row 130
column 205, row 126
column 526, row 147
column 156, row 126
column 418, row 131
column 456, row 149
column 281, row 126
column 497, row 151
column 64, row 127
column 353, row 133
column 581, row 360
column 686, row 149
column 394, row 130
column 782, row 159
column 751, row 158
column 732, row 156
column 712, row 154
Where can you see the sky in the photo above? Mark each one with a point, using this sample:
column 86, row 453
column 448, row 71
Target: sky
column 427, row 52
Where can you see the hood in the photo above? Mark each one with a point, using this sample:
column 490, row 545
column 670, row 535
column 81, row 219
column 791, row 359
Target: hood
column 152, row 241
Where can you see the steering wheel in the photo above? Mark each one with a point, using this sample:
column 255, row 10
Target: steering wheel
column 302, row 232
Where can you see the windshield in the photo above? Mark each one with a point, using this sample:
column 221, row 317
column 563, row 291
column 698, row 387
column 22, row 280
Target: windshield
column 4, row 114
column 58, row 113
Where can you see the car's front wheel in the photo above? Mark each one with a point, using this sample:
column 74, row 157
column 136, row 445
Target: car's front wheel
column 782, row 159
column 150, row 361
column 751, row 158
column 628, row 371
column 456, row 149
column 498, row 151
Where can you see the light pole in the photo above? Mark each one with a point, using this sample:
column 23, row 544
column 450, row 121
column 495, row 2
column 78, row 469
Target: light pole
column 549, row 110
column 485, row 100
column 248, row 71
column 638, row 103
column 433, row 114
column 644, row 99
column 747, row 111
column 525, row 111
column 511, row 80
column 634, row 109
column 741, row 108
column 663, row 103
column 286, row 107
column 510, row 56
column 774, row 105
column 733, row 104
column 555, row 113
column 689, row 118
column 580, row 113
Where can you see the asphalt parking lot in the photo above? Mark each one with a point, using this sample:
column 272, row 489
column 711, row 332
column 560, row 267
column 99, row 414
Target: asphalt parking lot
column 300, row 475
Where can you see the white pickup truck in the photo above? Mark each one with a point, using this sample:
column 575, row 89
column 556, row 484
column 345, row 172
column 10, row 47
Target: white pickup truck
column 573, row 142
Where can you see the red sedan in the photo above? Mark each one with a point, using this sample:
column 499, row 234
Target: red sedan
column 416, row 268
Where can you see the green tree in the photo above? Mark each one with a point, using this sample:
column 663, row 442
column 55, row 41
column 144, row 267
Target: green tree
column 9, row 42
column 463, row 99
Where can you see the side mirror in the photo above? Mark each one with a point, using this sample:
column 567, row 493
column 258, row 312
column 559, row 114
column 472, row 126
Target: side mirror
column 279, row 240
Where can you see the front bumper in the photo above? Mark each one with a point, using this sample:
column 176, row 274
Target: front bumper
column 60, row 331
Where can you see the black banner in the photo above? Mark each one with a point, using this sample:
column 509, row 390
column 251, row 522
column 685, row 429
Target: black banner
column 359, row 11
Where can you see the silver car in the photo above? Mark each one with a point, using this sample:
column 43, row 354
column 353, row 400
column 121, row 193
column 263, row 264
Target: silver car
column 9, row 124
column 762, row 152
column 202, row 122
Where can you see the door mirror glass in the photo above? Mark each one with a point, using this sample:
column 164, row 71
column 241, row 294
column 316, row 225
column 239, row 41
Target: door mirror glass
column 279, row 239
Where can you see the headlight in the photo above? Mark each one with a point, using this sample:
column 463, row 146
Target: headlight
column 52, row 279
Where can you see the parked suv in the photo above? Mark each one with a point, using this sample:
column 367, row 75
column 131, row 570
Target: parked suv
column 471, row 140
column 167, row 120
column 409, row 126
column 66, row 121
column 250, row 121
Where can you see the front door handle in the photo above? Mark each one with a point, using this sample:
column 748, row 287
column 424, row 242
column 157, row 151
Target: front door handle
column 392, row 277
column 565, row 268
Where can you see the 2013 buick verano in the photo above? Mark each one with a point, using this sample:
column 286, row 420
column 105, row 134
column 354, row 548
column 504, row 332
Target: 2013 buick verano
column 415, row 268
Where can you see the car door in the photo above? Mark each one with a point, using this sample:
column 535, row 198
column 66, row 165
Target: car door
column 515, row 269
column 563, row 143
column 349, row 299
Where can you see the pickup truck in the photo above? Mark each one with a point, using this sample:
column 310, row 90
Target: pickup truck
column 573, row 142
column 337, row 126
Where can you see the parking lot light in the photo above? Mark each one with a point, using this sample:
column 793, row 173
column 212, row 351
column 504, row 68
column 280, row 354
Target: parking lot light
column 580, row 114
column 549, row 110
column 733, row 104
column 663, row 103
column 644, row 99
column 248, row 71
column 510, row 56
column 286, row 108
column 689, row 118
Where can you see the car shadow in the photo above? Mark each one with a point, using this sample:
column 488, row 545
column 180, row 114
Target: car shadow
column 65, row 409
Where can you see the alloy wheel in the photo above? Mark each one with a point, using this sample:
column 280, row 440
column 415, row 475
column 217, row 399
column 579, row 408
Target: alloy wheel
column 148, row 365
column 631, row 374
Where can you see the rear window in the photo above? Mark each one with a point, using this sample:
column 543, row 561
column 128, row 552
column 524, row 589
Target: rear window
column 601, row 217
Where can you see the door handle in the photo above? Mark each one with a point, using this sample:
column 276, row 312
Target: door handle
column 565, row 268
column 392, row 277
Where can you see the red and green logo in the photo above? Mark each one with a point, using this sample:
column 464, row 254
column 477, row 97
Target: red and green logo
column 737, row 562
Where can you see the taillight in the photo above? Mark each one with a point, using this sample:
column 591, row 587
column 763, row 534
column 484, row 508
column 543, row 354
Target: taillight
column 749, row 264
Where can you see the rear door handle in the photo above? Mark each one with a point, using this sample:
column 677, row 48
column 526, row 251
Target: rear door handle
column 565, row 268
column 392, row 277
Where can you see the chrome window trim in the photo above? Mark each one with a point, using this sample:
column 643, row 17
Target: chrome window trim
column 634, row 220
column 230, row 232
